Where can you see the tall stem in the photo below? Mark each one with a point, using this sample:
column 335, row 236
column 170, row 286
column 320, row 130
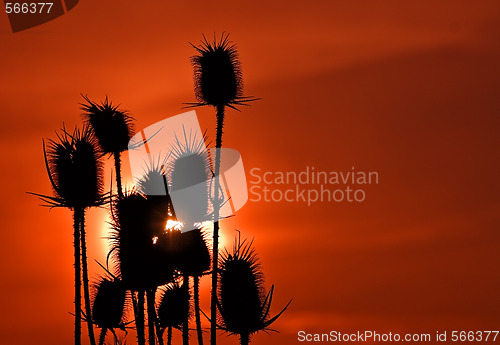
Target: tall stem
column 159, row 334
column 159, row 331
column 244, row 339
column 169, row 335
column 118, row 174
column 139, row 318
column 86, row 292
column 185, row 324
column 78, row 294
column 215, row 255
column 151, row 315
column 102, row 337
column 196, row 289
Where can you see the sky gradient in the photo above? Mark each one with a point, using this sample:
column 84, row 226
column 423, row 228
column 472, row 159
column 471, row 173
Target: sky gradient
column 406, row 89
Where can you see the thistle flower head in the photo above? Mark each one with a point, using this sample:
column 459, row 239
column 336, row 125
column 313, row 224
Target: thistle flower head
column 111, row 125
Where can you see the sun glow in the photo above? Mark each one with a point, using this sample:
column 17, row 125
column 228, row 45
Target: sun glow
column 208, row 227
column 173, row 225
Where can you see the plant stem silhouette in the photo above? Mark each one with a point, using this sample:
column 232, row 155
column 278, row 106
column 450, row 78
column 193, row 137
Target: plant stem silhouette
column 169, row 335
column 196, row 288
column 139, row 319
column 218, row 83
column 185, row 324
column 86, row 291
column 150, row 296
column 102, row 336
column 195, row 261
column 215, row 255
column 78, row 284
column 118, row 169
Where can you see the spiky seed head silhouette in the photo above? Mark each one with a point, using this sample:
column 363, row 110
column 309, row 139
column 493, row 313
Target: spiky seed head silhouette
column 154, row 186
column 217, row 74
column 243, row 304
column 153, row 181
column 186, row 252
column 173, row 307
column 241, row 289
column 111, row 125
column 108, row 303
column 138, row 222
column 194, row 258
column 129, row 242
column 189, row 173
column 190, row 168
column 75, row 170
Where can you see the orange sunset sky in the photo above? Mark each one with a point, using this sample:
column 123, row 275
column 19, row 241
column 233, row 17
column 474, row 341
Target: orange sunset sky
column 409, row 89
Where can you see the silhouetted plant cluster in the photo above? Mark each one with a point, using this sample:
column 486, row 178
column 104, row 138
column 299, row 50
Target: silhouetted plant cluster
column 146, row 283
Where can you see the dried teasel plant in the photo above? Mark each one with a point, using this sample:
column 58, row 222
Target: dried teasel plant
column 113, row 128
column 76, row 174
column 218, row 83
column 243, row 304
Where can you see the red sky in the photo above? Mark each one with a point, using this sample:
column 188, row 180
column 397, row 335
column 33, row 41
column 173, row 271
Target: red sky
column 407, row 89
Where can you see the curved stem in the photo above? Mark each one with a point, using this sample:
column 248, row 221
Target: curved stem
column 85, row 272
column 196, row 289
column 78, row 295
column 215, row 254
